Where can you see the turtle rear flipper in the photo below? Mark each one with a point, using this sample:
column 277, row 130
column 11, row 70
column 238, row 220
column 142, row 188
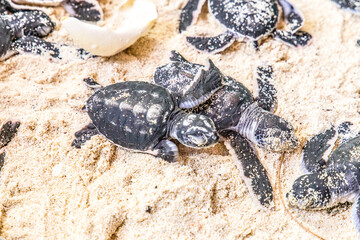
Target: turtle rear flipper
column 7, row 132
column 265, row 93
column 317, row 149
column 190, row 13
column 205, row 83
column 293, row 17
column 84, row 135
column 254, row 173
column 87, row 10
column 38, row 46
column 212, row 44
column 297, row 39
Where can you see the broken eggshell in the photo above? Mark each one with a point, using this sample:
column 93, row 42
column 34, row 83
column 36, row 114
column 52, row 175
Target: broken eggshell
column 120, row 31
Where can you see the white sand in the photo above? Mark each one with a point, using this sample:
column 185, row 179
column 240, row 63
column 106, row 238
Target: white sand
column 50, row 190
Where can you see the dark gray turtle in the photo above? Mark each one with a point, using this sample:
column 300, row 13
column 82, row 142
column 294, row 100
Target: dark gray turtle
column 332, row 180
column 7, row 132
column 143, row 117
column 87, row 10
column 21, row 32
column 251, row 19
column 239, row 118
column 350, row 5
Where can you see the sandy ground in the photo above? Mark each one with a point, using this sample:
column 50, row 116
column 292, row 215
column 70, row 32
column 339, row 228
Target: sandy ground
column 50, row 190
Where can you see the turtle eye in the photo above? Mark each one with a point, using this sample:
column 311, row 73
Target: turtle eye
column 43, row 30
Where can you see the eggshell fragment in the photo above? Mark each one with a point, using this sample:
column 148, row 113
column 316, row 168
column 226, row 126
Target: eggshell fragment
column 120, row 31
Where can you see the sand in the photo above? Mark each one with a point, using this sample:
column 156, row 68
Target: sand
column 50, row 190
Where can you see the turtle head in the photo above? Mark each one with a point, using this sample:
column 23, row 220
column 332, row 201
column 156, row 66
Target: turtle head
column 32, row 23
column 309, row 192
column 194, row 130
column 275, row 134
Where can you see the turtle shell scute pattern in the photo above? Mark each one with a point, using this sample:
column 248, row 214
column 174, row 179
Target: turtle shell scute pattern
column 249, row 18
column 176, row 76
column 227, row 104
column 131, row 114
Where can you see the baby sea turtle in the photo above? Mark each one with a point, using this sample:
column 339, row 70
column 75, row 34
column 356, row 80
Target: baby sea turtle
column 329, row 181
column 87, row 10
column 7, row 132
column 239, row 119
column 18, row 27
column 143, row 117
column 350, row 5
column 251, row 19
column 22, row 30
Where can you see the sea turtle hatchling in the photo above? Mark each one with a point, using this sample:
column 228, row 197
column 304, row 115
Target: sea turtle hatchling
column 7, row 132
column 22, row 32
column 350, row 5
column 143, row 117
column 332, row 181
column 86, row 10
column 240, row 120
column 250, row 19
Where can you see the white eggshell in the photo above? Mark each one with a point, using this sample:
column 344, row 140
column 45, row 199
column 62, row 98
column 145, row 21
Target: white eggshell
column 120, row 31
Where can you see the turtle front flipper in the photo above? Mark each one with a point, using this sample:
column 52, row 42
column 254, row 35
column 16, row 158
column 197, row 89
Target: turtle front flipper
column 293, row 17
column 190, row 13
column 265, row 93
column 5, row 40
column 177, row 57
column 84, row 135
column 212, row 44
column 86, row 10
column 167, row 150
column 317, row 149
column 254, row 173
column 7, row 132
column 91, row 83
column 38, row 46
column 297, row 39
column 346, row 132
column 205, row 83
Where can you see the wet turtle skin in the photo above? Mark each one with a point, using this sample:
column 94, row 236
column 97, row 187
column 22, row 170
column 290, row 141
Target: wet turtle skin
column 132, row 114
